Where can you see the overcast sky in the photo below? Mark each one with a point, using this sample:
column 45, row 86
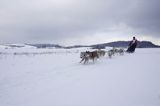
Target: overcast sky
column 78, row 21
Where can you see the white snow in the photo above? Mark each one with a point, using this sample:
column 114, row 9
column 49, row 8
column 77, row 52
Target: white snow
column 54, row 77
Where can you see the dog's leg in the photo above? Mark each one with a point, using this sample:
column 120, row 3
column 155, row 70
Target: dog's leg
column 85, row 61
column 81, row 60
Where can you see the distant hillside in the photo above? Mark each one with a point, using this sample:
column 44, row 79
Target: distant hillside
column 147, row 44
column 124, row 44
column 75, row 46
column 141, row 44
column 46, row 45
column 12, row 46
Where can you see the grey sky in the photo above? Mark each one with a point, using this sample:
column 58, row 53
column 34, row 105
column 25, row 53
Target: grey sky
column 78, row 21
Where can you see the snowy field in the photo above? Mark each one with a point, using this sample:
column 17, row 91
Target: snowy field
column 54, row 77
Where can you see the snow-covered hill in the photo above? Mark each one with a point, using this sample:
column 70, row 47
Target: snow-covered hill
column 54, row 77
column 16, row 46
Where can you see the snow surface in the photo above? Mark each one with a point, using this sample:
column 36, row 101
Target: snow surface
column 54, row 77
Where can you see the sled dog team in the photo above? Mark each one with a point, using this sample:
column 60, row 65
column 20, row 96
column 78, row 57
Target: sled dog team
column 94, row 55
column 86, row 56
